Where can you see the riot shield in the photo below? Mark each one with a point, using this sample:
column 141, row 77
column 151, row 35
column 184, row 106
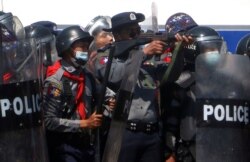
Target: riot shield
column 222, row 108
column 22, row 135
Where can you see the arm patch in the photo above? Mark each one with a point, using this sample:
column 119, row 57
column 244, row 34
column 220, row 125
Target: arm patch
column 52, row 90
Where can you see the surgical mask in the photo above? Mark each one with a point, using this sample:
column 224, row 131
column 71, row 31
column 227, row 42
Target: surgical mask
column 81, row 57
column 212, row 57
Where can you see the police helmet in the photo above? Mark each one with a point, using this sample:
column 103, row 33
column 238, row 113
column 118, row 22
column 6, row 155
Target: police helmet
column 49, row 25
column 243, row 46
column 38, row 32
column 179, row 22
column 205, row 39
column 97, row 25
column 68, row 36
column 12, row 28
column 45, row 39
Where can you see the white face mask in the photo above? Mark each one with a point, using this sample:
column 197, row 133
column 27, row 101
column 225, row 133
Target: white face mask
column 212, row 57
column 80, row 58
column 212, row 52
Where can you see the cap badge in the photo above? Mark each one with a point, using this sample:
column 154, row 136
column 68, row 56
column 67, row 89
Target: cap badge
column 132, row 16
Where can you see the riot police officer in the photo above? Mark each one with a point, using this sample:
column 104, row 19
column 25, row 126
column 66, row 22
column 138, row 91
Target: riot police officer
column 179, row 97
column 45, row 42
column 243, row 46
column 101, row 37
column 177, row 24
column 22, row 136
column 68, row 99
column 95, row 28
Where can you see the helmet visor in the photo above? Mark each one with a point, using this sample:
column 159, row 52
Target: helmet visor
column 209, row 46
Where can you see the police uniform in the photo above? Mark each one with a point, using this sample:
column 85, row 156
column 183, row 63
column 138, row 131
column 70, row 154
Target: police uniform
column 141, row 138
column 179, row 117
column 62, row 120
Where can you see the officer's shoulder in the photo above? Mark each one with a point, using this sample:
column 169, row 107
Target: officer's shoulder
column 53, row 82
column 104, row 49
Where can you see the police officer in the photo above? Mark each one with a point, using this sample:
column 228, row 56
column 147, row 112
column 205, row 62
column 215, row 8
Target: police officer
column 101, row 37
column 177, row 24
column 95, row 28
column 243, row 46
column 68, row 99
column 179, row 113
column 141, row 140
column 45, row 45
column 22, row 136
column 11, row 30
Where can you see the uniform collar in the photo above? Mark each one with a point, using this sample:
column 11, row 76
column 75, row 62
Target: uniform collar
column 71, row 69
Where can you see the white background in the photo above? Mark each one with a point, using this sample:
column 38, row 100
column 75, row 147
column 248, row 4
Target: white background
column 204, row 12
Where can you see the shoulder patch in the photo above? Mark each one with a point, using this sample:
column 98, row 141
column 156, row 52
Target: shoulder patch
column 53, row 91
column 103, row 60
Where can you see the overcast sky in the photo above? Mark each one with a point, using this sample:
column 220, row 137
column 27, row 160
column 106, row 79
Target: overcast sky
column 204, row 12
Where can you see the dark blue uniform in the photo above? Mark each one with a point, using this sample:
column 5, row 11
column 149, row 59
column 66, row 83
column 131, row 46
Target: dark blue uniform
column 141, row 140
column 67, row 141
column 179, row 117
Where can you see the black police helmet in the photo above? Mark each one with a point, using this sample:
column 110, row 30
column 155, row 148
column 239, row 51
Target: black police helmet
column 243, row 46
column 68, row 36
column 49, row 25
column 38, row 32
column 6, row 23
column 205, row 38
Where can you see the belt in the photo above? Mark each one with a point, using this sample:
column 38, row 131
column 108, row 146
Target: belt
column 142, row 127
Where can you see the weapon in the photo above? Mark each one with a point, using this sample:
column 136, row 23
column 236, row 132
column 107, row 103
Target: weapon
column 176, row 65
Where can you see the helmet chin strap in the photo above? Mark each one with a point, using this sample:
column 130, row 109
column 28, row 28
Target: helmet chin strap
column 74, row 62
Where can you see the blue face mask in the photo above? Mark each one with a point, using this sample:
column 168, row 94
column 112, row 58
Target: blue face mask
column 212, row 57
column 82, row 56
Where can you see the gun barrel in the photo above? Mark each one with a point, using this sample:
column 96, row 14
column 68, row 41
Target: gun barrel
column 158, row 36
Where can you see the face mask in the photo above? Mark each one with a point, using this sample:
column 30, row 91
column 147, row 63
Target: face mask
column 212, row 52
column 212, row 57
column 80, row 58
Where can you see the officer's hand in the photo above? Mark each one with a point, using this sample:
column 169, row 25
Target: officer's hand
column 94, row 121
column 154, row 47
column 185, row 38
column 111, row 103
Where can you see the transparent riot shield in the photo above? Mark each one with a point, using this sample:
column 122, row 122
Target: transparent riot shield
column 22, row 135
column 222, row 108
